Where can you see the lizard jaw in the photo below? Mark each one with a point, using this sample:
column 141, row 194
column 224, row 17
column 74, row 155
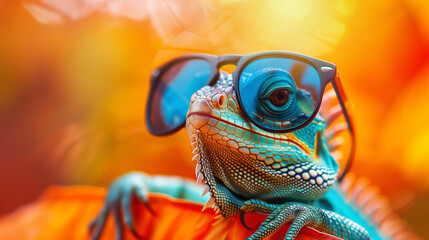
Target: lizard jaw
column 222, row 200
column 200, row 173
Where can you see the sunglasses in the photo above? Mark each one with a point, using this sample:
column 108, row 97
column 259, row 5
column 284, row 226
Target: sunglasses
column 279, row 92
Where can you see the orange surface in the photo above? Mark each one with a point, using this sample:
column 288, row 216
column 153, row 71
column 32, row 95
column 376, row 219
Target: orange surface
column 64, row 213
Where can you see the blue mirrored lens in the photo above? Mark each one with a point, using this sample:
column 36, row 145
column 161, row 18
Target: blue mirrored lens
column 172, row 95
column 279, row 93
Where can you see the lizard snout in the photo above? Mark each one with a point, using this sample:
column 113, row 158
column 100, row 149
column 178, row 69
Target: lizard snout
column 199, row 112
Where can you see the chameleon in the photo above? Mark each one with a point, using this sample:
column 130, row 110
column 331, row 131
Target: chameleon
column 291, row 176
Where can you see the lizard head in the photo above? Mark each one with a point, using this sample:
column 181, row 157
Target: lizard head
column 239, row 161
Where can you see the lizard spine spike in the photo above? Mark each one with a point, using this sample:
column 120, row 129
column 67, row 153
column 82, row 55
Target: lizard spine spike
column 197, row 169
column 209, row 203
column 196, row 150
column 220, row 220
column 217, row 210
column 206, row 190
column 197, row 157
column 200, row 178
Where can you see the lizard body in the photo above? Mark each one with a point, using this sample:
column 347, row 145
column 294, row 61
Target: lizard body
column 291, row 176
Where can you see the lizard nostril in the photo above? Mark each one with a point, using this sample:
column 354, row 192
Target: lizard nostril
column 220, row 101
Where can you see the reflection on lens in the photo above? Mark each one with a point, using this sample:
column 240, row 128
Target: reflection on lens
column 279, row 93
column 172, row 95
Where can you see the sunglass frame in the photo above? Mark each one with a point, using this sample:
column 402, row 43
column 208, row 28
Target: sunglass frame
column 327, row 74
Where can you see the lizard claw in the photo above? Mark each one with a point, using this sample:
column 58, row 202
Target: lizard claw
column 119, row 199
column 136, row 235
column 146, row 203
column 119, row 225
column 243, row 219
column 97, row 225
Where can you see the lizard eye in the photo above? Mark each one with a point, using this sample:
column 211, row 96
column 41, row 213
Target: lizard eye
column 279, row 97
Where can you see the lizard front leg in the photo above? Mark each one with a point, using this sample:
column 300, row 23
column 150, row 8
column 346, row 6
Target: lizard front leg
column 139, row 185
column 302, row 215
column 119, row 199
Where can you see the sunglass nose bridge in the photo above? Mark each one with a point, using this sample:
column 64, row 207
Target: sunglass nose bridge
column 228, row 59
column 227, row 63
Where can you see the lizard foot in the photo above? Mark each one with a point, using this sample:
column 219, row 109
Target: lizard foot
column 298, row 212
column 119, row 199
column 302, row 214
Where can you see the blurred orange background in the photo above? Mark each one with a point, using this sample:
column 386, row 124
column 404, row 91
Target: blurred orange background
column 74, row 81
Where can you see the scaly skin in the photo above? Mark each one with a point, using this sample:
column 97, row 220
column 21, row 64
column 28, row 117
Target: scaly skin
column 247, row 168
